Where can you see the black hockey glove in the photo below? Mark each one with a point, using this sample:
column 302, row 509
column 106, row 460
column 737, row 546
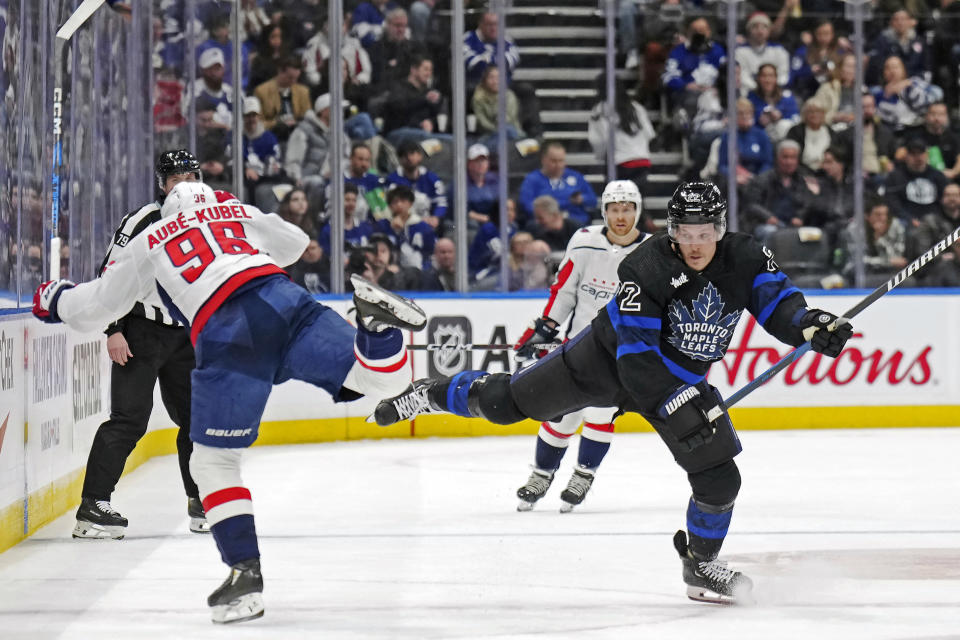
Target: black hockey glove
column 826, row 332
column 690, row 413
column 538, row 333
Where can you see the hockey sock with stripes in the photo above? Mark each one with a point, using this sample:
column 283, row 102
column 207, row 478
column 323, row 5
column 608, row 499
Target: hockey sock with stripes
column 547, row 456
column 452, row 395
column 707, row 526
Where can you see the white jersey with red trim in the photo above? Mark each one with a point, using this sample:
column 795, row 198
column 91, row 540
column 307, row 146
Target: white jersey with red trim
column 194, row 259
column 587, row 278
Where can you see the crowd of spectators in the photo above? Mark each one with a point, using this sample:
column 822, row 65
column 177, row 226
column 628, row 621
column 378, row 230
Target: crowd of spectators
column 796, row 91
column 796, row 96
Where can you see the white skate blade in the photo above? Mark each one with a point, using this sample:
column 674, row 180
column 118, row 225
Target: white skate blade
column 566, row 507
column 702, row 594
column 90, row 531
column 199, row 525
column 525, row 506
column 247, row 607
column 405, row 310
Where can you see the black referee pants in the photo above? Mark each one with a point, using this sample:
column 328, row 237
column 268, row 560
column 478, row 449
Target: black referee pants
column 160, row 353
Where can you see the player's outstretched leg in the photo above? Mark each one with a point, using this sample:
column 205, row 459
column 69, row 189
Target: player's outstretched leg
column 379, row 309
column 471, row 394
column 709, row 579
column 97, row 519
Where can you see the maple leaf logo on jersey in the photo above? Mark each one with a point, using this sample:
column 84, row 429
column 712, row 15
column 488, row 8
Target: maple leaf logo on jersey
column 702, row 332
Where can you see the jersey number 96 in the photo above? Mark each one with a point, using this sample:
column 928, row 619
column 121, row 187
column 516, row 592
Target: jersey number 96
column 192, row 245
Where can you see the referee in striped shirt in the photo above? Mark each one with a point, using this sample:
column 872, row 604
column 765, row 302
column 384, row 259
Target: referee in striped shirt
column 146, row 345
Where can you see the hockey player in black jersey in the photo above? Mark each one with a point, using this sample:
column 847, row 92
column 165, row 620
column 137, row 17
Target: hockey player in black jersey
column 648, row 351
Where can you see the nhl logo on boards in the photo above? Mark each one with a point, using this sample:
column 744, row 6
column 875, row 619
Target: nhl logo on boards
column 702, row 332
column 451, row 333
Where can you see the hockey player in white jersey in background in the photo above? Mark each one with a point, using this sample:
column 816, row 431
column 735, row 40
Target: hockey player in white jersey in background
column 585, row 283
column 217, row 267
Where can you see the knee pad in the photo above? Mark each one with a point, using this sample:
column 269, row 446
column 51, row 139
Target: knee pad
column 717, row 486
column 490, row 398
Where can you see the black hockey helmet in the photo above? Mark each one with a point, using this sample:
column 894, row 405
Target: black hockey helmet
column 697, row 203
column 175, row 162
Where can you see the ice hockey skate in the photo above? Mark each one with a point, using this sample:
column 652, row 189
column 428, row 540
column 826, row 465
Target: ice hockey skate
column 577, row 488
column 98, row 520
column 198, row 517
column 711, row 580
column 536, row 487
column 409, row 404
column 379, row 309
column 240, row 597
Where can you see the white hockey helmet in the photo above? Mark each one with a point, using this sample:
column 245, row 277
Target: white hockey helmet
column 621, row 191
column 187, row 195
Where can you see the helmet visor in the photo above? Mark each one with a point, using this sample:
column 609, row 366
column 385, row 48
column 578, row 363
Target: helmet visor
column 696, row 233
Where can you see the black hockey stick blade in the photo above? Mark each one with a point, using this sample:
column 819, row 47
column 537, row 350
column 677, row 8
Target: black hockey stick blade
column 929, row 255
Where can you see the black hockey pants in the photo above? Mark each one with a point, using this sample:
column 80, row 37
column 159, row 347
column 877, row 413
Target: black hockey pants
column 159, row 353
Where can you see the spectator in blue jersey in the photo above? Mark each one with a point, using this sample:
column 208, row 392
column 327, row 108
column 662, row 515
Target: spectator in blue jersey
column 693, row 66
column 212, row 90
column 261, row 153
column 371, row 188
column 754, row 149
column 414, row 240
column 430, row 193
column 774, row 107
column 568, row 187
column 368, row 20
column 758, row 50
column 219, row 28
column 900, row 39
column 356, row 233
column 903, row 100
column 480, row 52
column 483, row 190
column 486, row 248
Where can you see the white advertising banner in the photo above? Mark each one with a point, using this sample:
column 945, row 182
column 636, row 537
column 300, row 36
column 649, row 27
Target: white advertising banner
column 66, row 399
column 12, row 454
column 905, row 352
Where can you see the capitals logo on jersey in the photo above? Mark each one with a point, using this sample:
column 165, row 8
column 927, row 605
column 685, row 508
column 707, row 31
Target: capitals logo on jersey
column 702, row 332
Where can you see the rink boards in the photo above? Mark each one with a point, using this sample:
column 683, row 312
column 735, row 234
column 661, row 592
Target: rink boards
column 900, row 369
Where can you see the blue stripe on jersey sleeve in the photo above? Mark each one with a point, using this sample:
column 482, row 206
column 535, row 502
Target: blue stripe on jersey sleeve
column 642, row 347
column 768, row 290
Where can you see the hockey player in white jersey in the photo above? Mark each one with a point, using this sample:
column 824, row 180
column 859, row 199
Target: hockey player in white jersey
column 586, row 281
column 217, row 267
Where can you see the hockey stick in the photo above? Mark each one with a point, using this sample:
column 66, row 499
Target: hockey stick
column 875, row 295
column 81, row 15
column 545, row 346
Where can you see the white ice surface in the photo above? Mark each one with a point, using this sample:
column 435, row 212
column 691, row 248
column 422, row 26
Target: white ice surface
column 847, row 534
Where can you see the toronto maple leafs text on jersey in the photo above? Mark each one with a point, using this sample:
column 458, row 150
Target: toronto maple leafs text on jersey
column 669, row 323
